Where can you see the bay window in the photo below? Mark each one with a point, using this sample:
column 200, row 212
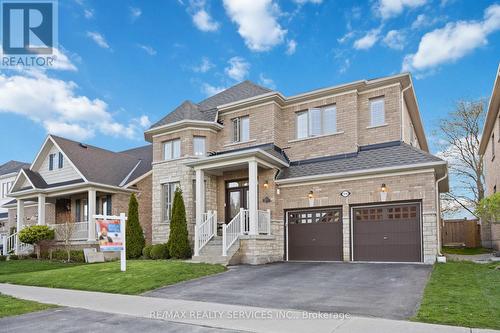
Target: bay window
column 171, row 149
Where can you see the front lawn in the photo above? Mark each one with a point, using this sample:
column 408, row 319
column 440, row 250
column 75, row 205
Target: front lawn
column 28, row 265
column 465, row 250
column 10, row 306
column 141, row 275
column 462, row 294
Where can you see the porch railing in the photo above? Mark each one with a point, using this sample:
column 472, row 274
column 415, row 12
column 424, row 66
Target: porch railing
column 71, row 231
column 232, row 231
column 11, row 246
column 205, row 232
column 264, row 222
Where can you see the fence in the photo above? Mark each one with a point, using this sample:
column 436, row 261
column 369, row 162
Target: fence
column 461, row 232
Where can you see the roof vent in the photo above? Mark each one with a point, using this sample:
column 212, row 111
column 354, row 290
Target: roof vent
column 83, row 145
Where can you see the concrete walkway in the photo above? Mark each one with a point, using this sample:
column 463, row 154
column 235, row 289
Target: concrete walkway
column 214, row 315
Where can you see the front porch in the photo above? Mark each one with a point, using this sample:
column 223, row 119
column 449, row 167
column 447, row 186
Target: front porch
column 238, row 227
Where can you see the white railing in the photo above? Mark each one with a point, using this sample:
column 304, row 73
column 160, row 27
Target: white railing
column 204, row 232
column 75, row 231
column 264, row 222
column 232, row 231
column 10, row 245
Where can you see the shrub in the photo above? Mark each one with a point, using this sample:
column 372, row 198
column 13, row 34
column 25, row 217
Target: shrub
column 36, row 234
column 178, row 241
column 159, row 251
column 3, row 258
column 146, row 251
column 62, row 255
column 134, row 235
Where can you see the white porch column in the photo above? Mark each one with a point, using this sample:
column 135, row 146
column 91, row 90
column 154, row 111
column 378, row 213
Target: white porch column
column 41, row 209
column 91, row 204
column 200, row 196
column 253, row 196
column 20, row 222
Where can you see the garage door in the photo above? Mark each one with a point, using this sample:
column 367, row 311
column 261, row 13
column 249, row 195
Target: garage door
column 315, row 234
column 387, row 233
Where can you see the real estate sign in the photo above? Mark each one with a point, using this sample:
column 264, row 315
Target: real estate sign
column 109, row 234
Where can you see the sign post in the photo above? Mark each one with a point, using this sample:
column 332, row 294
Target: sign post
column 111, row 235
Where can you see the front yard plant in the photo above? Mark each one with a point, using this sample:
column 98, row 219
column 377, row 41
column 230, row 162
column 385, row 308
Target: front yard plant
column 35, row 235
column 178, row 241
column 462, row 294
column 134, row 234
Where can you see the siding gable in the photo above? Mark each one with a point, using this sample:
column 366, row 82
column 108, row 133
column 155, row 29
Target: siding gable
column 56, row 175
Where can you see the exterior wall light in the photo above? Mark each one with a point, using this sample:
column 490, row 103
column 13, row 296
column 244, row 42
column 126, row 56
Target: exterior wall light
column 383, row 193
column 311, row 198
column 266, row 184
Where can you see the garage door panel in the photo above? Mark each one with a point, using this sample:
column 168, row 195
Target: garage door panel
column 315, row 235
column 387, row 233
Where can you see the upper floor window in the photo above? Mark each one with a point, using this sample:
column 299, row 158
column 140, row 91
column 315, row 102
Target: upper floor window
column 199, row 146
column 172, row 149
column 377, row 111
column 60, row 161
column 241, row 129
column 52, row 157
column 314, row 122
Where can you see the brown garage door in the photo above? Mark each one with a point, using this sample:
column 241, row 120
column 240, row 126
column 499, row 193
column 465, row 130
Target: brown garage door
column 387, row 233
column 315, row 234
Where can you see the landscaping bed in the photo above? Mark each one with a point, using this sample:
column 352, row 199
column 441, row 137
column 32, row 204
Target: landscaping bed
column 462, row 294
column 141, row 275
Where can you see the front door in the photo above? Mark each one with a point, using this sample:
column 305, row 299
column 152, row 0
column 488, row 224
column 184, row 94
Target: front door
column 236, row 198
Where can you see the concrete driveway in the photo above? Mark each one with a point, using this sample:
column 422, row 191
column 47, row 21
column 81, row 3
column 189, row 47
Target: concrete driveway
column 379, row 290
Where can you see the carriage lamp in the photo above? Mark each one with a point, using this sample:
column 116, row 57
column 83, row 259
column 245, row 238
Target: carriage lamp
column 383, row 193
column 310, row 195
column 266, row 184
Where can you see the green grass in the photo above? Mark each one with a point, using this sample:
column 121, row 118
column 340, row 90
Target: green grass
column 22, row 266
column 141, row 275
column 10, row 306
column 465, row 250
column 462, row 294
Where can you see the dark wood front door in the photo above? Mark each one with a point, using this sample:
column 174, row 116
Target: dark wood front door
column 387, row 233
column 236, row 198
column 315, row 234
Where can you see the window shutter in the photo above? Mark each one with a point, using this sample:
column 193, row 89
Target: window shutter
column 51, row 162
column 60, row 160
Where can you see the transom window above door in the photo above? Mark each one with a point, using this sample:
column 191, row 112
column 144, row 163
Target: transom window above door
column 317, row 121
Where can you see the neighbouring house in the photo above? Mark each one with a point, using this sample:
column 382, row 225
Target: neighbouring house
column 336, row 174
column 489, row 148
column 70, row 181
column 8, row 173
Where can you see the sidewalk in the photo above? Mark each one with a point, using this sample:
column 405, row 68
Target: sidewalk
column 233, row 317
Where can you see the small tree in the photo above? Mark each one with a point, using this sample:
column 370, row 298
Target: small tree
column 178, row 241
column 65, row 232
column 488, row 209
column 134, row 234
column 36, row 234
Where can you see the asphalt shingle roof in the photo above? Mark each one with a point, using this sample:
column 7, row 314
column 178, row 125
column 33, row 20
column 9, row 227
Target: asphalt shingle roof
column 389, row 154
column 12, row 166
column 206, row 110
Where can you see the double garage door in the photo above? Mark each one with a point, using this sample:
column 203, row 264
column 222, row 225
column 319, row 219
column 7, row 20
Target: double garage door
column 379, row 233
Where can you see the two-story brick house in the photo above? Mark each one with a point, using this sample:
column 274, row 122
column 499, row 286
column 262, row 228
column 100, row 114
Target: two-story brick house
column 489, row 148
column 336, row 174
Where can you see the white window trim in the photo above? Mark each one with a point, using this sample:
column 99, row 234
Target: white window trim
column 171, row 143
column 309, row 136
column 377, row 126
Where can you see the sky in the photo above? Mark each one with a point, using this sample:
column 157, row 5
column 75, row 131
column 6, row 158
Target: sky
column 122, row 65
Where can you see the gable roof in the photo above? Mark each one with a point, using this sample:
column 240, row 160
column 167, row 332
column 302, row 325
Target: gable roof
column 206, row 109
column 493, row 110
column 12, row 167
column 387, row 155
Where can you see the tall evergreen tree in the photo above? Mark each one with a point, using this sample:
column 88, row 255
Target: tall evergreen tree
column 135, row 241
column 178, row 241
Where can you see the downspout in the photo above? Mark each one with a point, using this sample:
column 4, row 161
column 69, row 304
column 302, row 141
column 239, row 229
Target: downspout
column 402, row 110
column 438, row 211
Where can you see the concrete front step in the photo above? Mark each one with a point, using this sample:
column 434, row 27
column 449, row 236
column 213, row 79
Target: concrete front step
column 211, row 253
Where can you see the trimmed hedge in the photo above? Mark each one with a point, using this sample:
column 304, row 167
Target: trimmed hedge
column 159, row 251
column 134, row 234
column 146, row 251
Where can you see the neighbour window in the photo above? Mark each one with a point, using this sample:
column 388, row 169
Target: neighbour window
column 377, row 111
column 493, row 146
column 168, row 199
column 241, row 129
column 172, row 149
column 199, row 146
column 51, row 161
column 60, row 161
column 315, row 122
